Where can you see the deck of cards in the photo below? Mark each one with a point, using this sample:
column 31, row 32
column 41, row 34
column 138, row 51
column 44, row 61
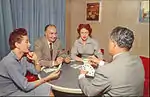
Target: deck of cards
column 88, row 67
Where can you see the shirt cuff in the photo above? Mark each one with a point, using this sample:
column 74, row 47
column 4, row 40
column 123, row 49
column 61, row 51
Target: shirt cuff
column 81, row 76
column 101, row 63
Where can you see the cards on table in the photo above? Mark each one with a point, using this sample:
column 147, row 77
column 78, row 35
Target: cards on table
column 76, row 66
column 47, row 70
column 85, row 61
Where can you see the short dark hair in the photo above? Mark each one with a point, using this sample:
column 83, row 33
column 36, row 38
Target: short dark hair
column 48, row 26
column 86, row 26
column 16, row 36
column 124, row 37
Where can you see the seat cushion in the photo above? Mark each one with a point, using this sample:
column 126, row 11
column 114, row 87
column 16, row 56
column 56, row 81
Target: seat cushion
column 146, row 88
column 31, row 77
column 145, row 62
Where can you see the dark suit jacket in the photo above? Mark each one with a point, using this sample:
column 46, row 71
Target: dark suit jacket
column 42, row 50
column 124, row 76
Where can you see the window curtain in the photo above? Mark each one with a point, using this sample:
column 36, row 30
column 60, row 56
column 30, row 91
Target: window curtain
column 33, row 15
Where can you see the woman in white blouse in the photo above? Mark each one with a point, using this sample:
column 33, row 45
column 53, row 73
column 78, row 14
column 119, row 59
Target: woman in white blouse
column 85, row 45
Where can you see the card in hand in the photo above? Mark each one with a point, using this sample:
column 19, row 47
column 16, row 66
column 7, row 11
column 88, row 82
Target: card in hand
column 59, row 67
column 47, row 70
column 89, row 68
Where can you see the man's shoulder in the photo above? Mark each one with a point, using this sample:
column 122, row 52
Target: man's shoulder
column 40, row 39
column 126, row 59
column 58, row 41
column 128, row 56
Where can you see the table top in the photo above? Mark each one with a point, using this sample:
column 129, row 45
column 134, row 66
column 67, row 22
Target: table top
column 68, row 80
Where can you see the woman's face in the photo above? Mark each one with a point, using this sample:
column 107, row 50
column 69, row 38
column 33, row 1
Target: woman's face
column 84, row 33
column 24, row 45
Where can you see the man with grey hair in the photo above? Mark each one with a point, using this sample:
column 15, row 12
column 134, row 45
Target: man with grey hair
column 48, row 48
column 124, row 76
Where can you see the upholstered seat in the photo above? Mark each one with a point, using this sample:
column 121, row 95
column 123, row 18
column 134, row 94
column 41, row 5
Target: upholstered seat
column 31, row 77
column 145, row 62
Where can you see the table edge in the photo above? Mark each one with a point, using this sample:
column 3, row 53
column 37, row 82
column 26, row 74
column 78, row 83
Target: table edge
column 63, row 89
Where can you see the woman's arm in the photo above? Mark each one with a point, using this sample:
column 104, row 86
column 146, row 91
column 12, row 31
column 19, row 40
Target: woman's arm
column 97, row 51
column 74, row 52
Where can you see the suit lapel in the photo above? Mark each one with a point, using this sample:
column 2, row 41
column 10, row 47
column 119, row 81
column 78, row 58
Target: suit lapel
column 55, row 49
column 47, row 49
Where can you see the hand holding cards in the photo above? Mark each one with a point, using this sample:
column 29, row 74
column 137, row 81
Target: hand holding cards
column 59, row 67
column 47, row 70
column 52, row 75
column 89, row 68
column 85, row 61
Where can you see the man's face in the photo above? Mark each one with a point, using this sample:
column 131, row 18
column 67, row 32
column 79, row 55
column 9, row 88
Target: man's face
column 24, row 45
column 111, row 47
column 51, row 34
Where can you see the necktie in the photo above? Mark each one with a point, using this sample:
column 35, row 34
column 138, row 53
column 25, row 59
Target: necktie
column 51, row 51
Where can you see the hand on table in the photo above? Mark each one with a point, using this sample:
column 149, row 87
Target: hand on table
column 59, row 60
column 93, row 61
column 67, row 60
column 83, row 71
column 78, row 59
column 53, row 75
column 55, row 63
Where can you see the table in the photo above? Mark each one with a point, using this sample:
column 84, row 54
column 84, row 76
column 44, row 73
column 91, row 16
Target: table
column 68, row 80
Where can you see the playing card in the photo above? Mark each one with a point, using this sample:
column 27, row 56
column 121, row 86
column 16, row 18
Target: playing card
column 75, row 66
column 91, row 72
column 89, row 68
column 83, row 67
column 72, row 60
column 47, row 70
column 85, row 61
column 59, row 67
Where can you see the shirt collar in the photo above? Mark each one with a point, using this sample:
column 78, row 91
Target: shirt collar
column 87, row 41
column 14, row 55
column 49, row 44
column 119, row 54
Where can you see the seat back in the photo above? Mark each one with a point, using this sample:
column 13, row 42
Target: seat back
column 31, row 77
column 145, row 62
column 102, row 51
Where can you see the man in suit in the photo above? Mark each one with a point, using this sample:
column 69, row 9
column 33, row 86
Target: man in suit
column 124, row 76
column 48, row 48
